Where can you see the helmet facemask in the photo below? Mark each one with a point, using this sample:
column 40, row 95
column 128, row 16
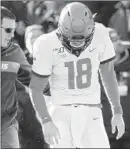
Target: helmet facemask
column 76, row 27
column 77, row 44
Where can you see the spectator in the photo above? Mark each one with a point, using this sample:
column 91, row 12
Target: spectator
column 38, row 11
column 120, row 20
column 121, row 50
column 45, row 13
column 31, row 33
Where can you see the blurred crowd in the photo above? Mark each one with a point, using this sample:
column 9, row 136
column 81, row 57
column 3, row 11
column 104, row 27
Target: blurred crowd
column 39, row 17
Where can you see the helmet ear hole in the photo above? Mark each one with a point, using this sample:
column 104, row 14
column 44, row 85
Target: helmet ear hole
column 68, row 13
column 86, row 13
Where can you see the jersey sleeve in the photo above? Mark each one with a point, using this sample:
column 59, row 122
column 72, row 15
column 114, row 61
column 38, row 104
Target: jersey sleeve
column 108, row 52
column 43, row 57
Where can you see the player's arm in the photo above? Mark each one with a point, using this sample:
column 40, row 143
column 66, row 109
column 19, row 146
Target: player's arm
column 107, row 72
column 110, row 84
column 37, row 85
column 111, row 88
column 41, row 70
column 109, row 81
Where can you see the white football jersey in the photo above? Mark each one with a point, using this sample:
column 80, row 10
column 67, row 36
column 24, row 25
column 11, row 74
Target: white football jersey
column 73, row 79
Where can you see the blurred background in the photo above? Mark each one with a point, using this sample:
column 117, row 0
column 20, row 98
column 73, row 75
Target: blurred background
column 39, row 17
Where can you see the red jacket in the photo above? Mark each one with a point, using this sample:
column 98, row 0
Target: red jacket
column 13, row 66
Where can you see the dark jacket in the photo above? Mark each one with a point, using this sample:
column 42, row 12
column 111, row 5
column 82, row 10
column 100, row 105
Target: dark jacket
column 14, row 66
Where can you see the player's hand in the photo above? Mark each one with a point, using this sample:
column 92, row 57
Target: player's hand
column 51, row 133
column 118, row 122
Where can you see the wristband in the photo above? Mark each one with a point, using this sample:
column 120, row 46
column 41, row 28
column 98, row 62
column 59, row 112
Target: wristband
column 117, row 110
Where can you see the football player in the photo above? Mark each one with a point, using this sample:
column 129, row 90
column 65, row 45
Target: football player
column 70, row 57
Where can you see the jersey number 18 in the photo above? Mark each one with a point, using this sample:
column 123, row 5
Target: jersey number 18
column 87, row 73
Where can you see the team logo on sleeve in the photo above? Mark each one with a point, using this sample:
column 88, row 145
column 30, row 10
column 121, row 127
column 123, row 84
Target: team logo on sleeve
column 60, row 51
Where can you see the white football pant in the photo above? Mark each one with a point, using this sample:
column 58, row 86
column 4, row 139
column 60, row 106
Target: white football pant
column 79, row 126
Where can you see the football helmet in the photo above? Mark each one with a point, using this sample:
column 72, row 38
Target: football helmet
column 76, row 27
